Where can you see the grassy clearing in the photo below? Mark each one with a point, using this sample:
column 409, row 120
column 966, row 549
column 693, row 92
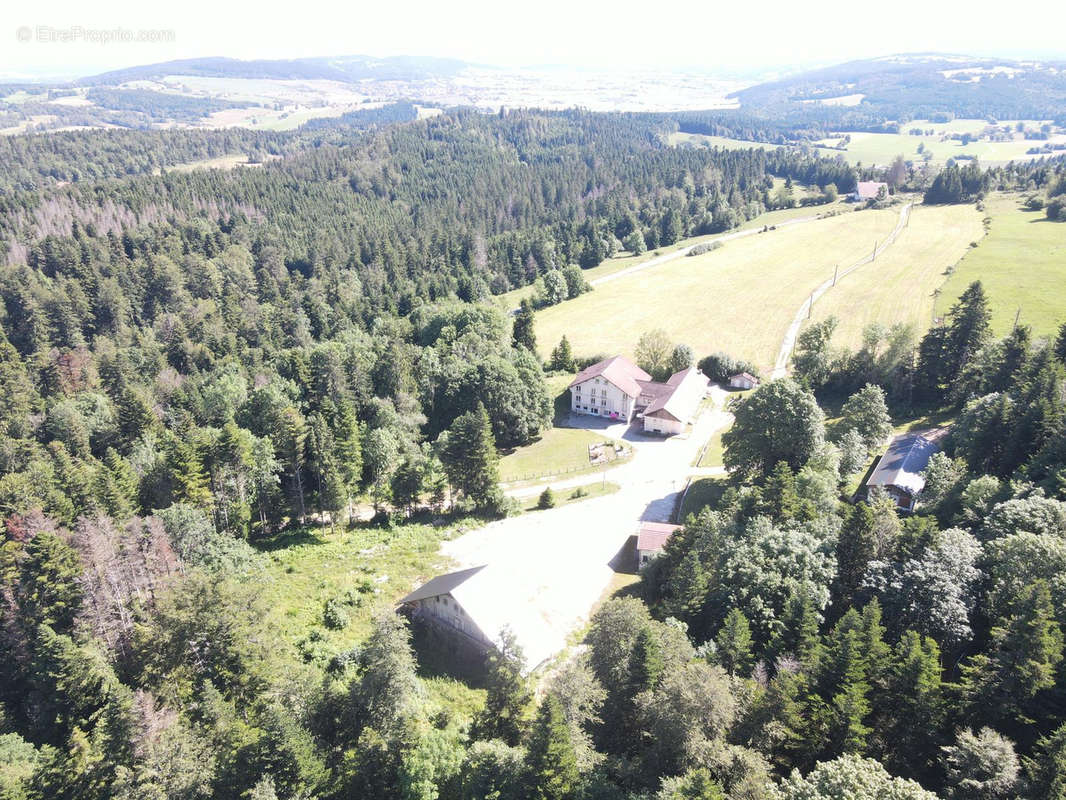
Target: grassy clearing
column 713, row 455
column 739, row 298
column 702, row 492
column 573, row 495
column 624, row 259
column 881, row 148
column 376, row 566
column 218, row 162
column 678, row 138
column 901, row 285
column 558, row 451
column 1022, row 264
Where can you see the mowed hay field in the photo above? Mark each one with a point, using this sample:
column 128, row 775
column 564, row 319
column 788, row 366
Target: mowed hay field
column 881, row 148
column 1022, row 265
column 739, row 298
column 901, row 285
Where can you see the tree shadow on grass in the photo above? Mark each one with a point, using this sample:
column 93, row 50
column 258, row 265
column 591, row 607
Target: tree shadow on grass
column 286, row 539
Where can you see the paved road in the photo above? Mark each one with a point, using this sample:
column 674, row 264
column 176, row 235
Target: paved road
column 548, row 568
column 789, row 342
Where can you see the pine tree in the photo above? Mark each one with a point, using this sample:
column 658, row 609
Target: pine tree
column 470, row 458
column 854, row 551
column 507, row 693
column 188, row 477
column 687, row 588
column 844, row 680
column 551, row 759
column 734, row 644
column 562, row 359
column 780, row 499
column 118, row 485
column 523, row 335
column 330, row 490
column 913, row 709
column 135, row 416
column 797, row 634
column 969, row 328
column 1025, row 651
column 1046, row 768
column 49, row 587
column 291, row 445
column 347, row 437
column 407, row 483
column 1060, row 344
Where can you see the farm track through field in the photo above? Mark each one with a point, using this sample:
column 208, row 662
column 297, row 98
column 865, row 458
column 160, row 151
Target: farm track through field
column 789, row 342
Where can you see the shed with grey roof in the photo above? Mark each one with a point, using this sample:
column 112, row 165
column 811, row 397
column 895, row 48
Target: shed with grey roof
column 899, row 470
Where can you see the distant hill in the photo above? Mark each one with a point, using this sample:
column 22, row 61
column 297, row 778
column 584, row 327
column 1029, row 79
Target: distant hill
column 921, row 86
column 340, row 68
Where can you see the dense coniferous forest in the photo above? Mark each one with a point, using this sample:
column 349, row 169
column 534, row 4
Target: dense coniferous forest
column 195, row 364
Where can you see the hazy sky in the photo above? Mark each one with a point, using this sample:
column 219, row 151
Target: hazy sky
column 716, row 35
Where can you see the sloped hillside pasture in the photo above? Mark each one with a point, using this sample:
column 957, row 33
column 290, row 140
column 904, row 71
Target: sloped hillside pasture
column 902, row 284
column 1022, row 264
column 739, row 298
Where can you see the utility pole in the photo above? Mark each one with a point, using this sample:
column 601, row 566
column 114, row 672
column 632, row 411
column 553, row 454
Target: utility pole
column 1017, row 317
column 836, row 270
column 810, row 306
column 874, row 256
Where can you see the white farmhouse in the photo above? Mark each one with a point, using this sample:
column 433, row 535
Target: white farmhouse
column 618, row 389
column 610, row 388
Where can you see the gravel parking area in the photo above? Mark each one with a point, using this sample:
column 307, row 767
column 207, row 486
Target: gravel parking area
column 548, row 568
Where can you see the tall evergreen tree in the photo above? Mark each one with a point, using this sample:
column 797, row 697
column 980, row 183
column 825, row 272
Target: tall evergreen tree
column 470, row 458
column 552, row 759
column 562, row 359
column 735, row 644
column 913, row 710
column 1026, row 650
column 523, row 335
column 508, row 695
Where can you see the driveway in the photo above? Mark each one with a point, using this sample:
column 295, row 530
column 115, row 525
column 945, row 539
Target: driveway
column 548, row 568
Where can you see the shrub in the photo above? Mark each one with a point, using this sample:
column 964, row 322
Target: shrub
column 547, row 499
column 335, row 615
column 705, row 247
column 719, row 367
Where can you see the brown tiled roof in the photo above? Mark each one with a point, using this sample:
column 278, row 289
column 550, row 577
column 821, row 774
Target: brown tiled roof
column 619, row 371
column 653, row 535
